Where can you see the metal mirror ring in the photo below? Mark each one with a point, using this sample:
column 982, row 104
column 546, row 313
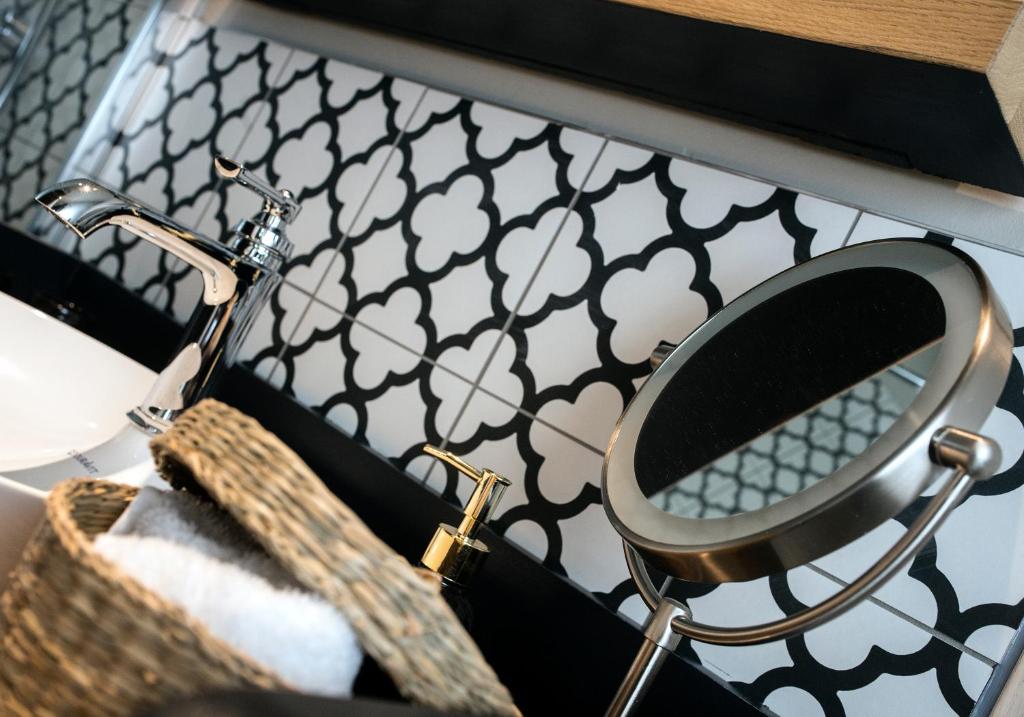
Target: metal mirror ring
column 788, row 352
column 802, row 336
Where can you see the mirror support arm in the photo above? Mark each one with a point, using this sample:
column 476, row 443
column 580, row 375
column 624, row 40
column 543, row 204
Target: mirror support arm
column 970, row 456
column 660, row 639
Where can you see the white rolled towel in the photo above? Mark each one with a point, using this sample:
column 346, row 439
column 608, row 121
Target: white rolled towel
column 190, row 554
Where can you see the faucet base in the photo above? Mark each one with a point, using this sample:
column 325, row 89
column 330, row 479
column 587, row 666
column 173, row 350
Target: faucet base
column 146, row 422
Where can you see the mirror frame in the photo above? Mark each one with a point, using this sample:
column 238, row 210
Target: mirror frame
column 968, row 374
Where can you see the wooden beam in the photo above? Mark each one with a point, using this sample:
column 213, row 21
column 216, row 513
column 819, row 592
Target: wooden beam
column 1006, row 75
column 959, row 33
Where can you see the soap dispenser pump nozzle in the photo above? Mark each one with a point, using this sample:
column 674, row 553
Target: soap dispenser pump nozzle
column 455, row 553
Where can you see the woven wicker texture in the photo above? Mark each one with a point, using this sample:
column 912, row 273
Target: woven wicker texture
column 400, row 618
column 79, row 637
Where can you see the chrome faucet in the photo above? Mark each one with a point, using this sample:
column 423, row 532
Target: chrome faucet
column 238, row 274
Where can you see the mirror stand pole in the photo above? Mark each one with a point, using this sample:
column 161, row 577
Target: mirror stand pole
column 659, row 642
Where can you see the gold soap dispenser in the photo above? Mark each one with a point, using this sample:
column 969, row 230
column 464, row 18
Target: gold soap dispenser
column 455, row 553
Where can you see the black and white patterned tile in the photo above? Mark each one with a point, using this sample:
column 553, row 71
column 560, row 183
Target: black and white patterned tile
column 24, row 170
column 81, row 46
column 371, row 386
column 330, row 134
column 79, row 50
column 967, row 583
column 328, row 137
column 439, row 255
column 865, row 662
column 648, row 252
column 555, row 505
column 203, row 94
column 642, row 256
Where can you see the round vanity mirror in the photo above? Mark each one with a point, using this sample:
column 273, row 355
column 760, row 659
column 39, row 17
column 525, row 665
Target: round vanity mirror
column 799, row 417
column 802, row 415
column 788, row 392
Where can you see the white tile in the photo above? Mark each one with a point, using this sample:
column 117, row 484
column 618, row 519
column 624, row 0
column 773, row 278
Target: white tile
column 974, row 675
column 549, row 340
column 630, row 218
column 844, row 643
column 380, row 261
column 563, row 271
column 377, row 358
column 793, row 701
column 652, row 305
column 591, row 417
column 501, row 128
column 738, row 605
column 615, row 158
column 449, row 223
column 459, row 301
column 592, row 550
column 891, row 694
column 553, row 469
column 436, row 225
column 439, row 152
column 371, row 191
column 711, row 193
column 831, row 222
column 749, row 254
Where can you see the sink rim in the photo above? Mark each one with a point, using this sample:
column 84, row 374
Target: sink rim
column 88, row 373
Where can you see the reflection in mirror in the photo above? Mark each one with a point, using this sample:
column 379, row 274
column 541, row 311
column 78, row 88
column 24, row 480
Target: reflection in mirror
column 788, row 392
column 801, row 451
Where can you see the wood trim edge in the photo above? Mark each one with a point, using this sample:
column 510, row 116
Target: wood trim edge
column 1006, row 75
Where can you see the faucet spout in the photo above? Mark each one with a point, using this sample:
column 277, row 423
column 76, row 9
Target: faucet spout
column 85, row 206
column 239, row 276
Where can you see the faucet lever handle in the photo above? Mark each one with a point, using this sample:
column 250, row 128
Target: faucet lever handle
column 279, row 202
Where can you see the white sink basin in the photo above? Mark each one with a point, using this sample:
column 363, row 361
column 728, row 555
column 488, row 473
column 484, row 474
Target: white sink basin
column 61, row 392
column 63, row 399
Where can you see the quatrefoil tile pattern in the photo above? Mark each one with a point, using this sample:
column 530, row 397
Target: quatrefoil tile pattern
column 200, row 93
column 80, row 47
column 493, row 282
column 440, row 257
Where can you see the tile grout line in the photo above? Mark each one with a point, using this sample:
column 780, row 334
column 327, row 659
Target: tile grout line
column 853, row 226
column 264, row 100
column 337, row 247
column 343, row 316
column 519, row 303
column 909, row 618
column 450, row 372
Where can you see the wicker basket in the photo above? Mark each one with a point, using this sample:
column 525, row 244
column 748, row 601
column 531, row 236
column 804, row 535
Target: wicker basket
column 80, row 637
